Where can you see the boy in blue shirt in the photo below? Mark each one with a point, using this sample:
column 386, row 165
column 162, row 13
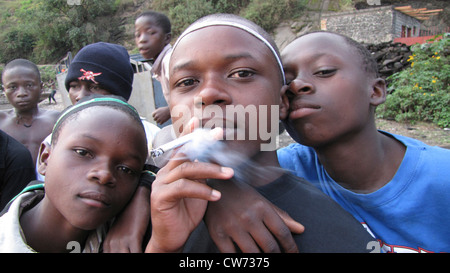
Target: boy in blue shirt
column 396, row 186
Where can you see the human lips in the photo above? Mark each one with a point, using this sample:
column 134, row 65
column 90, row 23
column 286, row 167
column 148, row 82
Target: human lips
column 302, row 109
column 95, row 199
column 144, row 51
column 230, row 128
column 22, row 102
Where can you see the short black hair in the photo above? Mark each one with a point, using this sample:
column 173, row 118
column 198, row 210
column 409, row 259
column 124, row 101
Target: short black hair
column 368, row 62
column 161, row 20
column 111, row 101
column 22, row 63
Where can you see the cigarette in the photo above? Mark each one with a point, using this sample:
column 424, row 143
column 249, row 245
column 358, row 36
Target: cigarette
column 183, row 140
column 171, row 145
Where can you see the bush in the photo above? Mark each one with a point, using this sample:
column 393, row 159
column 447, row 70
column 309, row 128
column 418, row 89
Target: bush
column 269, row 13
column 422, row 92
column 266, row 13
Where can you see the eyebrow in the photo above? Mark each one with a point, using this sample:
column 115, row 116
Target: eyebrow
column 230, row 57
column 88, row 136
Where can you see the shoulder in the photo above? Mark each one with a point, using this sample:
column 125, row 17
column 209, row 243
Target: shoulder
column 296, row 156
column 427, row 150
column 295, row 149
column 6, row 114
column 47, row 118
column 329, row 228
column 50, row 114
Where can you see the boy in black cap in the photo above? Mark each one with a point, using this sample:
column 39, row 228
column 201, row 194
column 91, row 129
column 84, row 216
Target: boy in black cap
column 100, row 68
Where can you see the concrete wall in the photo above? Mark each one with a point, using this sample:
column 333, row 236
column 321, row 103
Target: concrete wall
column 401, row 19
column 373, row 25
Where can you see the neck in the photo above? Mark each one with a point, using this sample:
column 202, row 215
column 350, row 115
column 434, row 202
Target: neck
column 26, row 113
column 364, row 162
column 264, row 169
column 46, row 230
column 26, row 117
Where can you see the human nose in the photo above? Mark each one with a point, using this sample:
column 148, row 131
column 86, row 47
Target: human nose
column 213, row 92
column 22, row 91
column 142, row 38
column 300, row 86
column 82, row 92
column 102, row 173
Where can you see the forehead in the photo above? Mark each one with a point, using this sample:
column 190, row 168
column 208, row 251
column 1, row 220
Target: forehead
column 20, row 72
column 318, row 44
column 146, row 21
column 221, row 40
column 97, row 120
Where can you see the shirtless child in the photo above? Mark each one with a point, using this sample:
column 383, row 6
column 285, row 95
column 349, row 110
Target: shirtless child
column 25, row 122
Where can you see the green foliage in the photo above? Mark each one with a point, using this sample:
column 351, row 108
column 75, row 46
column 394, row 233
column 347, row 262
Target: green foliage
column 45, row 30
column 269, row 13
column 422, row 91
column 266, row 13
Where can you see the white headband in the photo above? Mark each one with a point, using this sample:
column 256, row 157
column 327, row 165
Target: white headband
column 224, row 22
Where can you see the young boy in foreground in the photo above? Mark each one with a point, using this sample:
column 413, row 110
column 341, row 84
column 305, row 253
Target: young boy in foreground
column 396, row 186
column 91, row 171
column 220, row 61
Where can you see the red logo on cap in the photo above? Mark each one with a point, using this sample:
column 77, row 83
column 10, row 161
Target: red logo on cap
column 89, row 75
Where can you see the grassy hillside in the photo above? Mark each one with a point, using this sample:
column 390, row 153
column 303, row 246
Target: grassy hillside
column 45, row 30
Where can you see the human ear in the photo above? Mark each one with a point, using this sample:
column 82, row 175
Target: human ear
column 168, row 38
column 44, row 153
column 41, row 87
column 378, row 92
column 284, row 103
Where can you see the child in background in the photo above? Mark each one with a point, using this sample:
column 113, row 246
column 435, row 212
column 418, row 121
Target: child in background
column 396, row 186
column 152, row 36
column 225, row 60
column 88, row 180
column 26, row 122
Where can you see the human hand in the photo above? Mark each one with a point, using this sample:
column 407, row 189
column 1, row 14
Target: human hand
column 245, row 218
column 161, row 115
column 128, row 230
column 179, row 199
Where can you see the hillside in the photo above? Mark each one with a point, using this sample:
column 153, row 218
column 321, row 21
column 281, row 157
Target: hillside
column 47, row 36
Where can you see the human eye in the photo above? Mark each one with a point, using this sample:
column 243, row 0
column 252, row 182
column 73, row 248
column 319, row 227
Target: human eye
column 186, row 82
column 326, row 72
column 94, row 87
column 82, row 152
column 11, row 88
column 74, row 86
column 243, row 73
column 126, row 170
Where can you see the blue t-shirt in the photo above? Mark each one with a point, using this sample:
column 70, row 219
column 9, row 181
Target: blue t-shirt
column 411, row 213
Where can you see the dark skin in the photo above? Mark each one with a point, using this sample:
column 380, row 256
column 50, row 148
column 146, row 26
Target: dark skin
column 217, row 77
column 26, row 122
column 332, row 103
column 88, row 180
column 151, row 39
column 251, row 236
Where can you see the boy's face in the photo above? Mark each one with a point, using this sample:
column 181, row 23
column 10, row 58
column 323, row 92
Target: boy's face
column 221, row 67
column 80, row 89
column 93, row 169
column 22, row 87
column 150, row 38
column 329, row 91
